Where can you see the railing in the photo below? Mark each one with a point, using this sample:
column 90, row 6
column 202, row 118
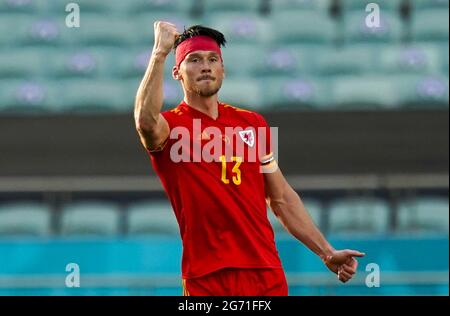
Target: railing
column 314, row 282
column 151, row 183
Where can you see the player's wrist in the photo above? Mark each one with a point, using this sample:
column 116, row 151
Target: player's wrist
column 326, row 253
column 160, row 55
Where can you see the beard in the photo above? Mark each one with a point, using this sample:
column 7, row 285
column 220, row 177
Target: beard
column 207, row 91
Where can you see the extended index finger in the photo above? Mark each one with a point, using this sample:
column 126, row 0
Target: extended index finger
column 355, row 253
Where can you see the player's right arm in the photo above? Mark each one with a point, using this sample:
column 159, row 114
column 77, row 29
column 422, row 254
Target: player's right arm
column 151, row 126
column 290, row 210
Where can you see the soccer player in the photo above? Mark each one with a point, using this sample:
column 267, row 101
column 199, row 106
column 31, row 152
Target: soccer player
column 218, row 193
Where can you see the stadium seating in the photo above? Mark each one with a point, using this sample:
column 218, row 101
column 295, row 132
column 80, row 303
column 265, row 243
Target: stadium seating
column 27, row 97
column 355, row 29
column 132, row 63
column 315, row 210
column 24, row 219
column 99, row 29
column 183, row 7
column 430, row 25
column 296, row 93
column 294, row 39
column 361, row 215
column 444, row 58
column 90, row 218
column 19, row 63
column 409, row 59
column 290, row 27
column 241, row 92
column 246, row 60
column 20, row 6
column 423, row 215
column 172, row 91
column 243, row 28
column 364, row 92
column 144, row 29
column 293, row 55
column 151, row 217
column 131, row 7
column 428, row 4
column 368, row 215
column 241, row 59
column 28, row 29
column 425, row 92
column 88, row 96
column 85, row 62
column 360, row 5
column 304, row 5
column 212, row 6
column 355, row 59
column 86, row 6
column 286, row 60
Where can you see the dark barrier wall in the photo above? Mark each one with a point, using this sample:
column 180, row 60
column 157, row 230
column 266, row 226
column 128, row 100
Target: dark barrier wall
column 309, row 143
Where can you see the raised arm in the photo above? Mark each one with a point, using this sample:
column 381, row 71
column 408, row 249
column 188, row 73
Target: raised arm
column 152, row 127
column 289, row 209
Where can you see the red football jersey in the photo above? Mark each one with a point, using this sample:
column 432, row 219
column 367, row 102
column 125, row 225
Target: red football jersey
column 216, row 188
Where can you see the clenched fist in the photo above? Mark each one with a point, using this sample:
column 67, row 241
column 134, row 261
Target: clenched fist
column 343, row 263
column 165, row 36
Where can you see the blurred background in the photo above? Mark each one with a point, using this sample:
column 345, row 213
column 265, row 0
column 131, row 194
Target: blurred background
column 363, row 137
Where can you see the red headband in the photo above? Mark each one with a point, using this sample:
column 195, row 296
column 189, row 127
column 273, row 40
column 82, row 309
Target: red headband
column 195, row 43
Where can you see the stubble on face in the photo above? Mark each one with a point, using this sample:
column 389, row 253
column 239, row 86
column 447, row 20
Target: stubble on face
column 208, row 88
column 206, row 84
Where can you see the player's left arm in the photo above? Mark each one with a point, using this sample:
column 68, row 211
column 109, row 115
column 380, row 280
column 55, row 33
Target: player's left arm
column 290, row 210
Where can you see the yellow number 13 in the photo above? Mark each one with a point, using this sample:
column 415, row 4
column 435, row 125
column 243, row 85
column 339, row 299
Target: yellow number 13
column 237, row 177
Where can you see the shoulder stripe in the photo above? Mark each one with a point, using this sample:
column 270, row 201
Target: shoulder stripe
column 236, row 108
column 176, row 111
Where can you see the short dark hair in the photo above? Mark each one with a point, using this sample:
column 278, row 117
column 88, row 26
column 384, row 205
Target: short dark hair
column 197, row 30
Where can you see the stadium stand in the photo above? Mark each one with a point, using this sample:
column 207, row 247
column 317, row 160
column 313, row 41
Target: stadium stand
column 22, row 218
column 360, row 5
column 151, row 218
column 359, row 215
column 282, row 57
column 430, row 25
column 110, row 46
column 423, row 215
column 282, row 5
column 356, row 30
column 90, row 218
column 213, row 6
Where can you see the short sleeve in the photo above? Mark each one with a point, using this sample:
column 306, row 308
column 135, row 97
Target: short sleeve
column 165, row 144
column 265, row 142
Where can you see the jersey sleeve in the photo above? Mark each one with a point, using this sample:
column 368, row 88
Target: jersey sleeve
column 165, row 144
column 266, row 146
